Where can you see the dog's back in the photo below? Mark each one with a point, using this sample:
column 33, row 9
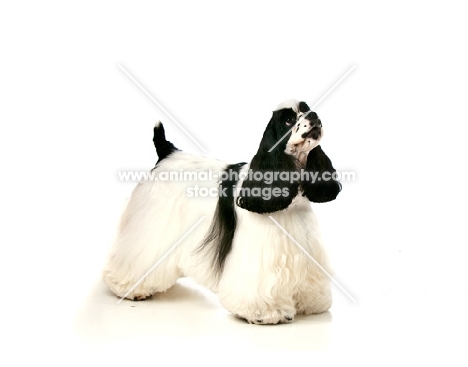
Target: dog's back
column 218, row 241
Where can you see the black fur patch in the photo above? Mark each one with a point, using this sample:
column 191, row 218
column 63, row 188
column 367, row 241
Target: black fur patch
column 275, row 161
column 314, row 133
column 320, row 191
column 163, row 147
column 223, row 225
column 303, row 107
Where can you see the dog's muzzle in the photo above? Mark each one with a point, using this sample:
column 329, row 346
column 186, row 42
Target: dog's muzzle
column 305, row 136
column 308, row 126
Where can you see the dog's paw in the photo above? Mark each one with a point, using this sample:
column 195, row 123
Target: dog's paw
column 271, row 317
column 135, row 296
column 140, row 297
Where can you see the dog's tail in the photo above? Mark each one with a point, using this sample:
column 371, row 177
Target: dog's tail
column 163, row 147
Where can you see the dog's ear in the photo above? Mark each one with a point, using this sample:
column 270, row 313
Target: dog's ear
column 261, row 191
column 322, row 185
column 268, row 186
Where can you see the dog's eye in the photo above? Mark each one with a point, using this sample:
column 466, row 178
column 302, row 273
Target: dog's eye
column 290, row 121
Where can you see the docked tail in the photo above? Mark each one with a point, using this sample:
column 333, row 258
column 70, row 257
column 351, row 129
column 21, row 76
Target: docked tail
column 163, row 147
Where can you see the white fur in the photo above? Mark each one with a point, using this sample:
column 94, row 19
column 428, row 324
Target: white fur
column 290, row 103
column 266, row 278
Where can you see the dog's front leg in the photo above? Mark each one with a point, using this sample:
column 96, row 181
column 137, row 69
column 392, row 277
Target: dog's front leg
column 256, row 282
column 254, row 298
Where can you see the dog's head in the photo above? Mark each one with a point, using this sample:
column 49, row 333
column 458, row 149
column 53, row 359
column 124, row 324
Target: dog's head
column 289, row 151
column 306, row 133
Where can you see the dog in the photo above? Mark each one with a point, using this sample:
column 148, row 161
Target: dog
column 245, row 231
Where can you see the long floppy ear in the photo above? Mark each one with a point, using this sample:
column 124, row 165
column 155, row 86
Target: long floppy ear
column 261, row 192
column 268, row 187
column 321, row 186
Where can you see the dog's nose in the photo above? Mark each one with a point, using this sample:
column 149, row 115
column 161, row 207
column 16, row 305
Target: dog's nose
column 317, row 123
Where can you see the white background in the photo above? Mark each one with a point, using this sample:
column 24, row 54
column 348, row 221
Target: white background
column 71, row 119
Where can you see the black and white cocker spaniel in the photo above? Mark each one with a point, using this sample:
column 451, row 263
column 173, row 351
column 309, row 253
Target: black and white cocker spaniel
column 241, row 230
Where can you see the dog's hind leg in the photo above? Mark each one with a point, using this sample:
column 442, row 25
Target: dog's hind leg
column 144, row 238
column 135, row 284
